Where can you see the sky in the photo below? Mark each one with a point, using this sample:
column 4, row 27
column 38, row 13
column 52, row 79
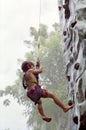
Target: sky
column 16, row 17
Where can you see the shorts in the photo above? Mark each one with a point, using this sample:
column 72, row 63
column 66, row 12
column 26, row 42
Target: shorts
column 36, row 93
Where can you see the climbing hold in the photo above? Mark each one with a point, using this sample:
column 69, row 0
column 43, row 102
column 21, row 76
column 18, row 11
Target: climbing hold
column 59, row 7
column 68, row 77
column 71, row 59
column 70, row 102
column 64, row 33
column 67, row 11
column 73, row 24
column 75, row 119
column 76, row 66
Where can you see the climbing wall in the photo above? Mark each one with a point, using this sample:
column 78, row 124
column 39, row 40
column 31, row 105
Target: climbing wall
column 73, row 30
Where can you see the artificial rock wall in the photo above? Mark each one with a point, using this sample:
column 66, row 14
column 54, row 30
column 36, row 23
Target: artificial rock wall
column 73, row 29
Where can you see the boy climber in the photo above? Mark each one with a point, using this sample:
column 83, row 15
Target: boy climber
column 35, row 92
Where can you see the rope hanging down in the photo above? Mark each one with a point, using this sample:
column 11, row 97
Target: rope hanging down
column 38, row 46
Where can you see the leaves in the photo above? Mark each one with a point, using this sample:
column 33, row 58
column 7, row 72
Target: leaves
column 6, row 102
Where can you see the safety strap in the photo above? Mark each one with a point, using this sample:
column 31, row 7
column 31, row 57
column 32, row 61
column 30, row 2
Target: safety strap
column 24, row 82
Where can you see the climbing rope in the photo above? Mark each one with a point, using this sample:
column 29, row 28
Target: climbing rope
column 38, row 46
column 39, row 33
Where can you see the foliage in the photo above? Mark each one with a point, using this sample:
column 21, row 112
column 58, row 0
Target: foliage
column 6, row 102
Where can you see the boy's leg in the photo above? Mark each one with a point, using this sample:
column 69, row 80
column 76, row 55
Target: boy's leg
column 59, row 102
column 40, row 109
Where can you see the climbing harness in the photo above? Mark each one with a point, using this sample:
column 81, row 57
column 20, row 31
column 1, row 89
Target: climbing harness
column 24, row 82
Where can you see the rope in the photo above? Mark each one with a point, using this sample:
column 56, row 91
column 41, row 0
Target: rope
column 38, row 46
column 39, row 12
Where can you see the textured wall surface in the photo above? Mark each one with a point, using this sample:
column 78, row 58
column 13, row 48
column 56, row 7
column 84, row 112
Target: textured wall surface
column 73, row 28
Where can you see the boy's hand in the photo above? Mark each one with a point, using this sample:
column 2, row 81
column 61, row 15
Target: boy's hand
column 38, row 62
